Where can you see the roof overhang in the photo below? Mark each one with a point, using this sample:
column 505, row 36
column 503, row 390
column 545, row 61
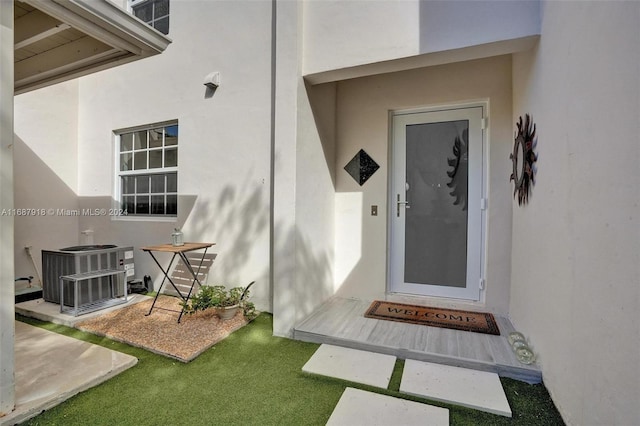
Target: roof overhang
column 57, row 40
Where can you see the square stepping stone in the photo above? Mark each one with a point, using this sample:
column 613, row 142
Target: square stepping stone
column 480, row 390
column 358, row 407
column 352, row 364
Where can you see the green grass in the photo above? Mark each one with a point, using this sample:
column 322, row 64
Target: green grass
column 250, row 378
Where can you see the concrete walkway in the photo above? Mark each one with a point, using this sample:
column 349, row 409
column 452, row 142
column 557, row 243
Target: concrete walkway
column 50, row 312
column 50, row 368
column 479, row 390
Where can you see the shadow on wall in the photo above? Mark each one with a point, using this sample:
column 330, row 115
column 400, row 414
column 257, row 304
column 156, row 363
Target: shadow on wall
column 44, row 210
column 303, row 280
column 109, row 229
column 236, row 218
column 322, row 99
column 237, row 221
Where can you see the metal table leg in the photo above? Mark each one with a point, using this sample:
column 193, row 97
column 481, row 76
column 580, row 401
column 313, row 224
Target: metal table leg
column 166, row 277
column 195, row 277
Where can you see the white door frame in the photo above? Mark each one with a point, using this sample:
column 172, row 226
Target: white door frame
column 476, row 222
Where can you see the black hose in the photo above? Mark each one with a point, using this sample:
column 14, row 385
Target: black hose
column 246, row 289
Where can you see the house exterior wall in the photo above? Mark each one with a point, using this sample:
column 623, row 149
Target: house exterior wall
column 304, row 249
column 224, row 139
column 350, row 39
column 45, row 173
column 340, row 34
column 315, row 194
column 564, row 268
column 286, row 87
column 7, row 332
column 303, row 180
column 363, row 122
column 224, row 142
column 576, row 245
column 450, row 25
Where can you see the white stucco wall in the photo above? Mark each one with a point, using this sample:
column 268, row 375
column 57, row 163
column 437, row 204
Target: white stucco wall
column 303, row 186
column 576, row 246
column 55, row 137
column 448, row 25
column 315, row 195
column 349, row 39
column 7, row 331
column 224, row 143
column 224, row 139
column 286, row 88
column 362, row 110
column 303, row 245
column 339, row 34
column 45, row 173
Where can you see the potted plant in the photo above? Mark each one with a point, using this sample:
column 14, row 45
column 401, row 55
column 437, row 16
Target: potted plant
column 226, row 302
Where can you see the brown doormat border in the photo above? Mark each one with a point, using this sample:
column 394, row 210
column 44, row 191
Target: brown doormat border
column 478, row 322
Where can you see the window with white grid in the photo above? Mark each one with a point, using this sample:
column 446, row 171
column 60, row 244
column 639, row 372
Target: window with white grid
column 147, row 170
column 153, row 12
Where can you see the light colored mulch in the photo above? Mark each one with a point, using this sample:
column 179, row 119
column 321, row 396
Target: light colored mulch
column 160, row 331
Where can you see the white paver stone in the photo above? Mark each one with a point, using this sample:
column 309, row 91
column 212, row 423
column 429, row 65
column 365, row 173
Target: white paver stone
column 358, row 407
column 351, row 364
column 480, row 390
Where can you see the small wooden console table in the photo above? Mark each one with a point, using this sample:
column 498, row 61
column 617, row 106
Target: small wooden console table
column 177, row 251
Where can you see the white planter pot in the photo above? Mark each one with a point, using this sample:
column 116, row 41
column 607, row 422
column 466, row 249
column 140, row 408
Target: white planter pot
column 227, row 312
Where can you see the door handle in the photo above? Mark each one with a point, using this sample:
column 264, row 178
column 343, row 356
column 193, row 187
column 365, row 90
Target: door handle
column 401, row 203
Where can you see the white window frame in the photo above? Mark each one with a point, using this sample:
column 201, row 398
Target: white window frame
column 133, row 3
column 119, row 174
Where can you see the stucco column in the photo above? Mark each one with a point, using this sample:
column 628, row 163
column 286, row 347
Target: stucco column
column 7, row 290
column 286, row 51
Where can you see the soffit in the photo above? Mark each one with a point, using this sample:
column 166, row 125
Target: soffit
column 57, row 40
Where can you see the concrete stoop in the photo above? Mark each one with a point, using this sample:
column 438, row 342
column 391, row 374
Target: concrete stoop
column 51, row 368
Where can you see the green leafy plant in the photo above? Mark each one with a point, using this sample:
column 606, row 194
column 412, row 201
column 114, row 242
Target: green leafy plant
column 218, row 296
column 249, row 310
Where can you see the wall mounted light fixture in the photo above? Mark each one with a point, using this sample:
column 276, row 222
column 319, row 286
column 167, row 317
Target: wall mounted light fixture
column 212, row 80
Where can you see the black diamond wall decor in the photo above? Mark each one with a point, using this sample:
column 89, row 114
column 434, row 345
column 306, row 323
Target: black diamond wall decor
column 361, row 167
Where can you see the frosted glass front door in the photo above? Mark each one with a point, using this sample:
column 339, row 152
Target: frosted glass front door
column 435, row 235
column 436, row 221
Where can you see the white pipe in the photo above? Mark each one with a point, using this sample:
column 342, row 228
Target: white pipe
column 87, row 237
column 35, row 267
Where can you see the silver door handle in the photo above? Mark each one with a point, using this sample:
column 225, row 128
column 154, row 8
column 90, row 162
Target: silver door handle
column 401, row 203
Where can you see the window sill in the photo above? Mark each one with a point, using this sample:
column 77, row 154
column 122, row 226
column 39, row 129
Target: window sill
column 135, row 218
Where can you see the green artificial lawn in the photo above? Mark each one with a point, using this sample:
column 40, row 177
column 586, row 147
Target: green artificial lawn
column 250, row 378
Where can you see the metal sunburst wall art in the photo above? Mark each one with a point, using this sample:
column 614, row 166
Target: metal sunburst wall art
column 523, row 159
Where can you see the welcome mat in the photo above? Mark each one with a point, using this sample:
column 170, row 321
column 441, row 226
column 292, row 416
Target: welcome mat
column 160, row 332
column 478, row 322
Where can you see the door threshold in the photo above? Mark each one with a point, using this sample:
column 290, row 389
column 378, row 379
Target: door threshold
column 434, row 301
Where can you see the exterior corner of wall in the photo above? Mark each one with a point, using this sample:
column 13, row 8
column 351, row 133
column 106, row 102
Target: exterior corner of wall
column 573, row 253
column 7, row 289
